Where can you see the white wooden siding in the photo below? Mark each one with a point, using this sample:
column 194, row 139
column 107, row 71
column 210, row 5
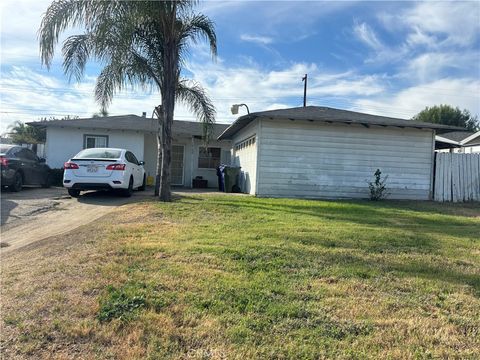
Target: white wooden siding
column 150, row 154
column 472, row 149
column 464, row 150
column 318, row 160
column 247, row 158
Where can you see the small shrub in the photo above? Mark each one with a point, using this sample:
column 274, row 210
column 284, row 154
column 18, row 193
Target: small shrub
column 56, row 177
column 378, row 189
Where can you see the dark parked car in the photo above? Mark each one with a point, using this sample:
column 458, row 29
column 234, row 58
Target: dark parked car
column 20, row 166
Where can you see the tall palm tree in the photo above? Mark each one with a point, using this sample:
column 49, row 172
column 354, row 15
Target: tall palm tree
column 140, row 43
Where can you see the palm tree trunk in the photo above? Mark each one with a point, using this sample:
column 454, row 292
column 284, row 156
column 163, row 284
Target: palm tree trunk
column 166, row 141
column 170, row 81
column 159, row 113
column 159, row 161
column 168, row 107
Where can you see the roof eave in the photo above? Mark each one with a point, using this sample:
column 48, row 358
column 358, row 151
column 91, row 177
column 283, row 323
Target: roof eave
column 246, row 119
column 445, row 140
column 228, row 133
column 37, row 123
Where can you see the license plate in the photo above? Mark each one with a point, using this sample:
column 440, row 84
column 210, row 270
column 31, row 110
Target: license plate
column 92, row 168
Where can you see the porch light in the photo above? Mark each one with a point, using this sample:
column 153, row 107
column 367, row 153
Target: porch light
column 234, row 108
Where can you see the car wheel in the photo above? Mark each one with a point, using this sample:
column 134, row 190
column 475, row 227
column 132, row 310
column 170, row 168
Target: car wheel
column 74, row 193
column 48, row 181
column 17, row 182
column 144, row 184
column 129, row 191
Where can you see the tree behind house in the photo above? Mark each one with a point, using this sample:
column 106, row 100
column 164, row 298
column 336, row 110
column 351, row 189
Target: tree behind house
column 22, row 133
column 448, row 115
column 139, row 43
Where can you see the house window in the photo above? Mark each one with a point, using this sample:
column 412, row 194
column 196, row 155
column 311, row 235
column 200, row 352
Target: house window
column 95, row 141
column 208, row 158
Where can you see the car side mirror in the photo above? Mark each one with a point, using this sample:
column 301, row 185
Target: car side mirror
column 141, row 163
column 41, row 160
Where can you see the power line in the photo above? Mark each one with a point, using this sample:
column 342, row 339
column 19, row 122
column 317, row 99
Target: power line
column 186, row 117
column 13, row 88
column 243, row 98
column 340, row 102
column 33, row 111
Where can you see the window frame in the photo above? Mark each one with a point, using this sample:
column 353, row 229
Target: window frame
column 86, row 136
column 212, row 166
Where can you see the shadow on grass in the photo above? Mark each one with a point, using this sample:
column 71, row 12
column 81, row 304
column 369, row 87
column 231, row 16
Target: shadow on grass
column 188, row 198
column 466, row 209
column 395, row 216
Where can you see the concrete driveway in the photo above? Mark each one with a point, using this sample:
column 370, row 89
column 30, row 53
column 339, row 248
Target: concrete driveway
column 34, row 214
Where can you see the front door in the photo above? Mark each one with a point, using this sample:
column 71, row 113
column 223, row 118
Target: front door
column 177, row 164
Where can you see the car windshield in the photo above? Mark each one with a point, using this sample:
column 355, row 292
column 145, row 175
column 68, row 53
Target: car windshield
column 98, row 154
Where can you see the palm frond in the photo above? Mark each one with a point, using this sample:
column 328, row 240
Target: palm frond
column 198, row 27
column 59, row 16
column 133, row 71
column 97, row 17
column 76, row 50
column 195, row 98
column 131, row 39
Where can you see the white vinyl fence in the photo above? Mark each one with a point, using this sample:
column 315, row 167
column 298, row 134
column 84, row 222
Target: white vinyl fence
column 457, row 177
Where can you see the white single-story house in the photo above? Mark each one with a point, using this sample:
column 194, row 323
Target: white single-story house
column 320, row 152
column 190, row 158
column 461, row 142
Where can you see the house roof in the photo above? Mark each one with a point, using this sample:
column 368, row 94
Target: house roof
column 473, row 139
column 329, row 115
column 457, row 139
column 131, row 122
column 455, row 136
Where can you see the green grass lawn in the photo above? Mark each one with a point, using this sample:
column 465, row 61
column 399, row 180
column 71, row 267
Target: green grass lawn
column 237, row 277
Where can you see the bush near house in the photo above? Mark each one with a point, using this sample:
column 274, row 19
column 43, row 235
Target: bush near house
column 378, row 188
column 236, row 277
column 57, row 177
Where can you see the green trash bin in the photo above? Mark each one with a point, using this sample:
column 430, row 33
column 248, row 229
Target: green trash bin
column 231, row 177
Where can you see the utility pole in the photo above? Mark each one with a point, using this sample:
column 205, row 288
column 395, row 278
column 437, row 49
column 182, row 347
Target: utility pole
column 305, row 90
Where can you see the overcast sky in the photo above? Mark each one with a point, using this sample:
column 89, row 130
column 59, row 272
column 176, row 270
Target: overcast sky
column 386, row 58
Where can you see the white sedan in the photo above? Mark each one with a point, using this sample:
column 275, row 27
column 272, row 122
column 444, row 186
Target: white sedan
column 104, row 169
